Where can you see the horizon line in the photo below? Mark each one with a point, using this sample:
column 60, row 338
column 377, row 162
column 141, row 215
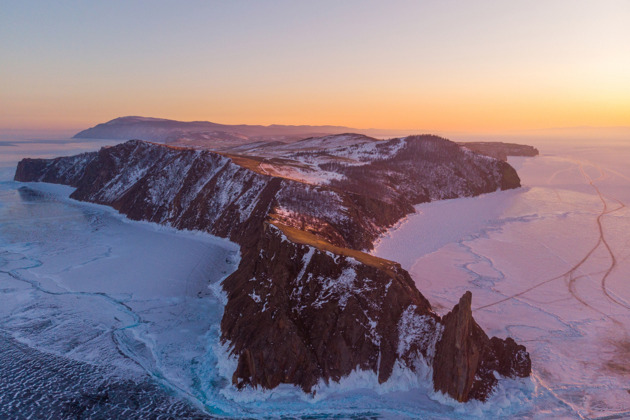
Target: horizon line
column 424, row 130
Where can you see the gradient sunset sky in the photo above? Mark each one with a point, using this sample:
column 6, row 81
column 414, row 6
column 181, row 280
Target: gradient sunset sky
column 439, row 65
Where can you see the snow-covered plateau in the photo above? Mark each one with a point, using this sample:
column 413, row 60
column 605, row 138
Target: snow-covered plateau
column 108, row 314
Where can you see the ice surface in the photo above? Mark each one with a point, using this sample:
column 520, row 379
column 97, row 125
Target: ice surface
column 541, row 270
column 82, row 282
column 84, row 290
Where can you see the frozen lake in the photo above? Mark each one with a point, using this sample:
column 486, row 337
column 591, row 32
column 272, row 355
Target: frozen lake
column 548, row 264
column 82, row 284
column 99, row 315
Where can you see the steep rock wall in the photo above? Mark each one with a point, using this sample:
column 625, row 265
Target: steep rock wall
column 305, row 304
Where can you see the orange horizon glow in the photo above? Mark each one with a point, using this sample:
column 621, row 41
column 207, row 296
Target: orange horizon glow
column 487, row 67
column 461, row 114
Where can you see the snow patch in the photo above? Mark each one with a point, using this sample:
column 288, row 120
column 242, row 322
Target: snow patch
column 254, row 296
column 417, row 329
column 341, row 288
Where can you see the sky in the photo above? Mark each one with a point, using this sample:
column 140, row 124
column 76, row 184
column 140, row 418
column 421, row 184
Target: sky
column 482, row 66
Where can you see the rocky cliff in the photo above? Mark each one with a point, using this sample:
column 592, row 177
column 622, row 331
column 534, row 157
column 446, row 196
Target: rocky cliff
column 305, row 303
column 466, row 358
column 500, row 150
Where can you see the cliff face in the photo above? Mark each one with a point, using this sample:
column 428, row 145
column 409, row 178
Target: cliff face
column 323, row 314
column 305, row 303
column 500, row 150
column 64, row 170
column 466, row 358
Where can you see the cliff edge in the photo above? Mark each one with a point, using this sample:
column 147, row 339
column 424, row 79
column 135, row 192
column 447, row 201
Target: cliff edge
column 306, row 303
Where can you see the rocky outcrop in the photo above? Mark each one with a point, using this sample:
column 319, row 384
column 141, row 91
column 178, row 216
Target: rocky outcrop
column 500, row 150
column 64, row 170
column 323, row 314
column 305, row 304
column 466, row 359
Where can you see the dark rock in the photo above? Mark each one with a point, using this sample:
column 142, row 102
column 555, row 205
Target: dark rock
column 458, row 352
column 63, row 170
column 466, row 358
column 323, row 315
column 500, row 150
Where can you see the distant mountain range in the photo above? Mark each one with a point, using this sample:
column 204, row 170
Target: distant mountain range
column 264, row 141
column 202, row 133
column 217, row 136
